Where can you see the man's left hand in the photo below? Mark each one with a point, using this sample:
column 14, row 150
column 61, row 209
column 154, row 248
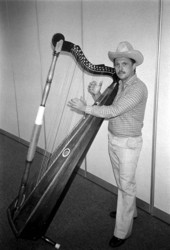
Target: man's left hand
column 77, row 104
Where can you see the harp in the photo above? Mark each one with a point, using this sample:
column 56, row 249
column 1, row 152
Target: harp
column 31, row 213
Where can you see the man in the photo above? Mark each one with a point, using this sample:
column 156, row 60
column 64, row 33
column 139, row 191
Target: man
column 126, row 115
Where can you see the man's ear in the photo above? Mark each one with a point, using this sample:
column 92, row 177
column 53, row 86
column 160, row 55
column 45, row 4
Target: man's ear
column 134, row 66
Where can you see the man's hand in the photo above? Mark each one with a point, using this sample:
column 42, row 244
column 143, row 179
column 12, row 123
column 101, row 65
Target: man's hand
column 77, row 104
column 94, row 88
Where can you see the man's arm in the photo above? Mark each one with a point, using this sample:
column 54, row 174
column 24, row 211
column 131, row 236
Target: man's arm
column 123, row 105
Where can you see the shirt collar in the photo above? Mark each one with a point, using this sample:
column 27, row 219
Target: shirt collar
column 130, row 81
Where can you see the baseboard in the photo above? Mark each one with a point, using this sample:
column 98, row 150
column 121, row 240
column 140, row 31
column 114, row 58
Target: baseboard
column 98, row 181
column 20, row 140
column 102, row 183
column 109, row 187
column 14, row 137
column 159, row 214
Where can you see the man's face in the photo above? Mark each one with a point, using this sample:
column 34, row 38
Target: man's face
column 124, row 68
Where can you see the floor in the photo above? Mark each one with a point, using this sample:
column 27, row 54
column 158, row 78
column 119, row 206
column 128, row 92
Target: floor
column 82, row 221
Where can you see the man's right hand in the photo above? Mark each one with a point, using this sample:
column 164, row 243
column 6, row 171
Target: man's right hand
column 94, row 88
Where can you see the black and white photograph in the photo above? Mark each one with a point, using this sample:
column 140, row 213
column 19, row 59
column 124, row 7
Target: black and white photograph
column 84, row 124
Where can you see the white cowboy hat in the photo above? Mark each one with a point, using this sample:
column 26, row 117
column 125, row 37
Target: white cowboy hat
column 125, row 49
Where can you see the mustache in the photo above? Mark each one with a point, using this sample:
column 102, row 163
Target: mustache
column 121, row 72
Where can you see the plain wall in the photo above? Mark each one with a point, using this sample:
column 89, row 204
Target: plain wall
column 162, row 170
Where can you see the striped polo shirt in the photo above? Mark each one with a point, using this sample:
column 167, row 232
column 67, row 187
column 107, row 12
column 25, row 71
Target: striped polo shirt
column 126, row 114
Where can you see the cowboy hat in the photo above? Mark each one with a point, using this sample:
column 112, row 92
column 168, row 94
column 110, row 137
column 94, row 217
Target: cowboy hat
column 125, row 49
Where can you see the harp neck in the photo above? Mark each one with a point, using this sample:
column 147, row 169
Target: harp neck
column 99, row 69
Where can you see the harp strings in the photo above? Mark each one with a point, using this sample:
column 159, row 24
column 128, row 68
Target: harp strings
column 53, row 157
column 53, row 137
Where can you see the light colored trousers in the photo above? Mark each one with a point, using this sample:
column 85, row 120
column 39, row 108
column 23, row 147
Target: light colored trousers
column 124, row 154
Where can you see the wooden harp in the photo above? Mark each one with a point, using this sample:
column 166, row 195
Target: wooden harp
column 30, row 214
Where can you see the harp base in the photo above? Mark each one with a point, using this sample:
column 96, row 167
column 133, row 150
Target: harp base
column 19, row 234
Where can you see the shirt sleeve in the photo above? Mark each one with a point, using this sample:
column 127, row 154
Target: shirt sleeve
column 125, row 103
